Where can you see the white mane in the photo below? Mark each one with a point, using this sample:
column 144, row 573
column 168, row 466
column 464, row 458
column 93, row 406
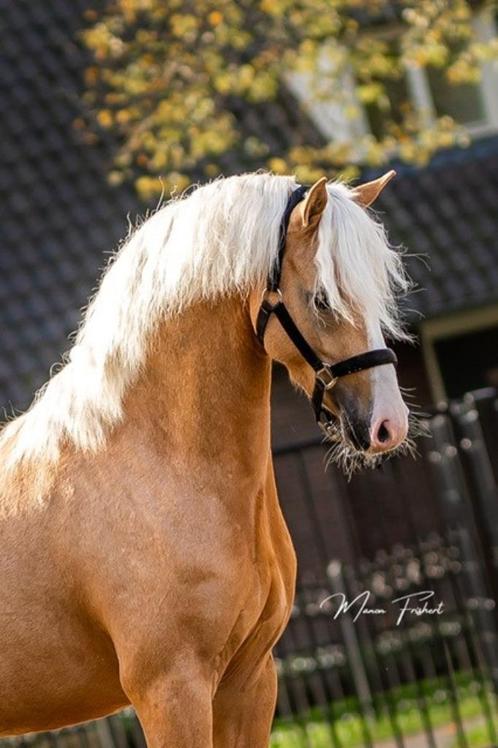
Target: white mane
column 220, row 238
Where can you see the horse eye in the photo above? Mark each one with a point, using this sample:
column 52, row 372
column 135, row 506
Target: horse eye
column 321, row 303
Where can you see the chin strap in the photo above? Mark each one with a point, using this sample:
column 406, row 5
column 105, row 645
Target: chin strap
column 326, row 375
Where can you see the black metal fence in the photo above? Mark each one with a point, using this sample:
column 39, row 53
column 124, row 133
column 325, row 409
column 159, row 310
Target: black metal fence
column 377, row 676
column 416, row 529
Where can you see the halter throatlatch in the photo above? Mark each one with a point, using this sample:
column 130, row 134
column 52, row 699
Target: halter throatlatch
column 326, row 375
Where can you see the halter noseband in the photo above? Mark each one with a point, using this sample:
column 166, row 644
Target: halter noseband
column 326, row 375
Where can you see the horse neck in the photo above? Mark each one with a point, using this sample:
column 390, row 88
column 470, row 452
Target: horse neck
column 205, row 389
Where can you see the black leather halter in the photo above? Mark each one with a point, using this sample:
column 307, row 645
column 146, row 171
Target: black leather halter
column 326, row 375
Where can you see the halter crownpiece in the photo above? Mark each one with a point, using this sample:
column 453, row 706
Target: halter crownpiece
column 326, row 374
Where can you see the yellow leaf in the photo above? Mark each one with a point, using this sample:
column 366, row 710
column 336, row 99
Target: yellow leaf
column 278, row 165
column 104, row 118
column 215, row 18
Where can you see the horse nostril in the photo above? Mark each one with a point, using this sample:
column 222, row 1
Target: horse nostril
column 387, row 434
column 383, row 434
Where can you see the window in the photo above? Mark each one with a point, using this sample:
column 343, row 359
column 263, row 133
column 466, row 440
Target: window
column 468, row 361
column 395, row 104
column 425, row 91
column 461, row 352
column 463, row 103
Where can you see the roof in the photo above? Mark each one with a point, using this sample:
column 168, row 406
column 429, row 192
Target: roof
column 446, row 217
column 60, row 218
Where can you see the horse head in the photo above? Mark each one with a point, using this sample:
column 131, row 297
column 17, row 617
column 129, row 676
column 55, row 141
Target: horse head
column 337, row 279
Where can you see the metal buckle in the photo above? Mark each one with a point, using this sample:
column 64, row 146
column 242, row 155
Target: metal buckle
column 329, row 432
column 328, row 425
column 268, row 291
column 329, row 380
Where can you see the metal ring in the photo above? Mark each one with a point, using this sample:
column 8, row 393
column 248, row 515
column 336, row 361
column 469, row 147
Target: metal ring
column 271, row 290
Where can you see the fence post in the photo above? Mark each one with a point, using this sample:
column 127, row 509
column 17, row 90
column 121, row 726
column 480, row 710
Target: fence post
column 484, row 488
column 337, row 583
column 104, row 733
column 459, row 514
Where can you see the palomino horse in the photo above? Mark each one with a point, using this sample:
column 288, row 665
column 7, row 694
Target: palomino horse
column 144, row 558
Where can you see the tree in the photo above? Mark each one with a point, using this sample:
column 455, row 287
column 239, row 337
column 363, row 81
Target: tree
column 171, row 79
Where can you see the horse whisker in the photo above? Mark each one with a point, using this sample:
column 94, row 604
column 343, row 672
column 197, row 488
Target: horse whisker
column 350, row 460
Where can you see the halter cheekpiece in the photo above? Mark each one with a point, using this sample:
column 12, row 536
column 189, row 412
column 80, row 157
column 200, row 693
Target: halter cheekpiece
column 326, row 375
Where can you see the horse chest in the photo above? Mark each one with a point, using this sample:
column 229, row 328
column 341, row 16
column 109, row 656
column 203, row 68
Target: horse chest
column 264, row 612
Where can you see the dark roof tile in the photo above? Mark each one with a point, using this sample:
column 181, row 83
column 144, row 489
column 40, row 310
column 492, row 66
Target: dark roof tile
column 447, row 212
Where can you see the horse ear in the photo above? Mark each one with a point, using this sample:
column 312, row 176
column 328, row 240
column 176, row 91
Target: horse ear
column 315, row 201
column 366, row 194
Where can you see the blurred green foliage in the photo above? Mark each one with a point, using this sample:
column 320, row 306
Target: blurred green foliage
column 170, row 79
column 399, row 711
